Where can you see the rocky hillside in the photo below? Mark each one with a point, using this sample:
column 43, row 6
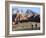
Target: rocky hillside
column 28, row 16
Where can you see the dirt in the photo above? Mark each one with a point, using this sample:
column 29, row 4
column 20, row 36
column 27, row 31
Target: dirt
column 26, row 26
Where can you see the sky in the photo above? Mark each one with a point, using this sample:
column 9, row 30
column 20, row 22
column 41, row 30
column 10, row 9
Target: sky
column 24, row 9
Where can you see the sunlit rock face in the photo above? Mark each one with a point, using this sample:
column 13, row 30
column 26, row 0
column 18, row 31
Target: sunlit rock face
column 28, row 16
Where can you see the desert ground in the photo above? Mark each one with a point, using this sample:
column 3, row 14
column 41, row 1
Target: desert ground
column 27, row 21
column 26, row 26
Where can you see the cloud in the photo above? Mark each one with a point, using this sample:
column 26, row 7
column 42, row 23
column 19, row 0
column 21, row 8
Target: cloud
column 24, row 9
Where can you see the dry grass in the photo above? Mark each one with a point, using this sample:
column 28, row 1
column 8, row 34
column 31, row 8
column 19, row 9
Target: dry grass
column 25, row 26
